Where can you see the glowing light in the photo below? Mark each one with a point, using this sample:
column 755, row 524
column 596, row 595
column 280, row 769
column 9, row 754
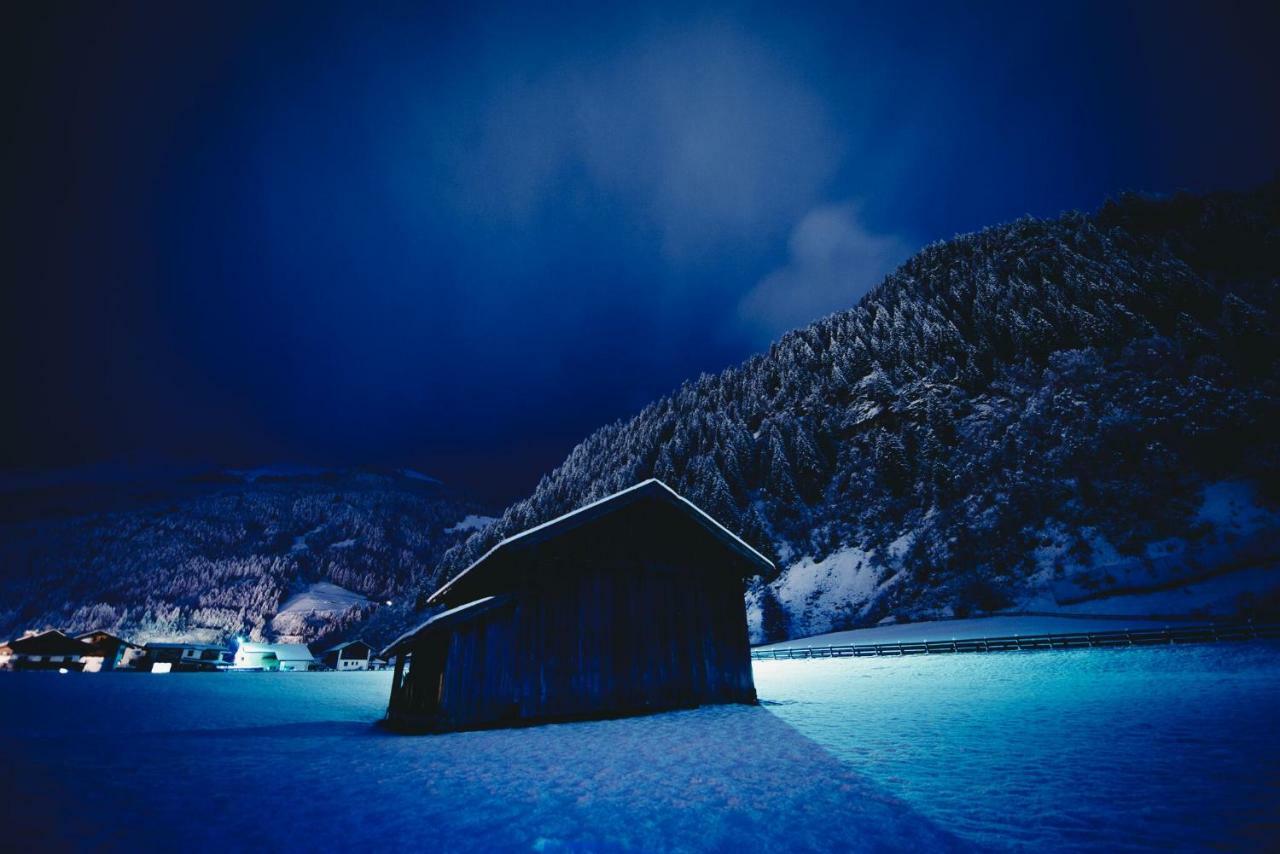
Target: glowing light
column 62, row 670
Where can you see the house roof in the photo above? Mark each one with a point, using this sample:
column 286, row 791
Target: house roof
column 340, row 647
column 107, row 637
column 444, row 619
column 49, row 643
column 649, row 489
column 283, row 651
column 172, row 645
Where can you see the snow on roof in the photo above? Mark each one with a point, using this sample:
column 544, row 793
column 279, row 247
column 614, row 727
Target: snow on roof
column 103, row 642
column 440, row 618
column 84, row 636
column 283, row 651
column 52, row 642
column 346, row 644
column 651, row 485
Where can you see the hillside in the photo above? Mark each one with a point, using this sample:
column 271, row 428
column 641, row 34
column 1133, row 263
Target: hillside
column 1042, row 415
column 271, row 553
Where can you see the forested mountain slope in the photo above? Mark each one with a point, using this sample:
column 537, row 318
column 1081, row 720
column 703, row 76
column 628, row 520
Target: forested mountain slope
column 1039, row 414
column 220, row 555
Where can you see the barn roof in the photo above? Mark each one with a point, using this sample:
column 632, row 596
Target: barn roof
column 649, row 489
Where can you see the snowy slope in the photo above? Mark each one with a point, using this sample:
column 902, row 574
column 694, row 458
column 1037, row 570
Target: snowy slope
column 267, row 552
column 1225, row 563
column 324, row 597
column 472, row 522
column 315, row 608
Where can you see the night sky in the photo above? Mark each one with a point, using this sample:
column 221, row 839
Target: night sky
column 460, row 238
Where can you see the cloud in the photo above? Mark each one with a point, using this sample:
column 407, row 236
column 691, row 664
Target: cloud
column 702, row 134
column 834, row 260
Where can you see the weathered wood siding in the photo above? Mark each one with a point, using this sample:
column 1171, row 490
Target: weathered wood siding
column 636, row 613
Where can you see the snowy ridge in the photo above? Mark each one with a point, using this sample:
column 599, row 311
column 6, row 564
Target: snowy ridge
column 1006, row 408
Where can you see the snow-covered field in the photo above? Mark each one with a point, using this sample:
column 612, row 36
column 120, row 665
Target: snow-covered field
column 292, row 762
column 1101, row 750
column 1157, row 748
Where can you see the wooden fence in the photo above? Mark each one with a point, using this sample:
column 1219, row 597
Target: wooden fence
column 1062, row 640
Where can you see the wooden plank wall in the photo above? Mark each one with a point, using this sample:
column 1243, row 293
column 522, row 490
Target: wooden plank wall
column 613, row 620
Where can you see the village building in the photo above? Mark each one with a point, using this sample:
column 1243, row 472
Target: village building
column 629, row 605
column 273, row 656
column 352, row 655
column 110, row 652
column 51, row 650
column 162, row 657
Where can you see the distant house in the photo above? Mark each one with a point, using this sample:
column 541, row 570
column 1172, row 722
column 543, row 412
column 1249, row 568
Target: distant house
column 189, row 657
column 274, row 656
column 50, row 650
column 632, row 604
column 352, row 655
column 110, row 652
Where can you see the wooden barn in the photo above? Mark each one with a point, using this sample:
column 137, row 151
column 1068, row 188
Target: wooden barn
column 629, row 605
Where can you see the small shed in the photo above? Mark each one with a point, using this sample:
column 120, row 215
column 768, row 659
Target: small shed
column 352, row 655
column 628, row 605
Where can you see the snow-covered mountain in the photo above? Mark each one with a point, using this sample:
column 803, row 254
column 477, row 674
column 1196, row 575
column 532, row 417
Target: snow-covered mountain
column 287, row 551
column 1048, row 415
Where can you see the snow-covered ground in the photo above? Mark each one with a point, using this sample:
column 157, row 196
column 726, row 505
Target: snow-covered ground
column 1134, row 749
column 292, row 762
column 1152, row 749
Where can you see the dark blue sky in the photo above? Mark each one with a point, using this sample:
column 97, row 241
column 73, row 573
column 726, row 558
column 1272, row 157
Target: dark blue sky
column 460, row 238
